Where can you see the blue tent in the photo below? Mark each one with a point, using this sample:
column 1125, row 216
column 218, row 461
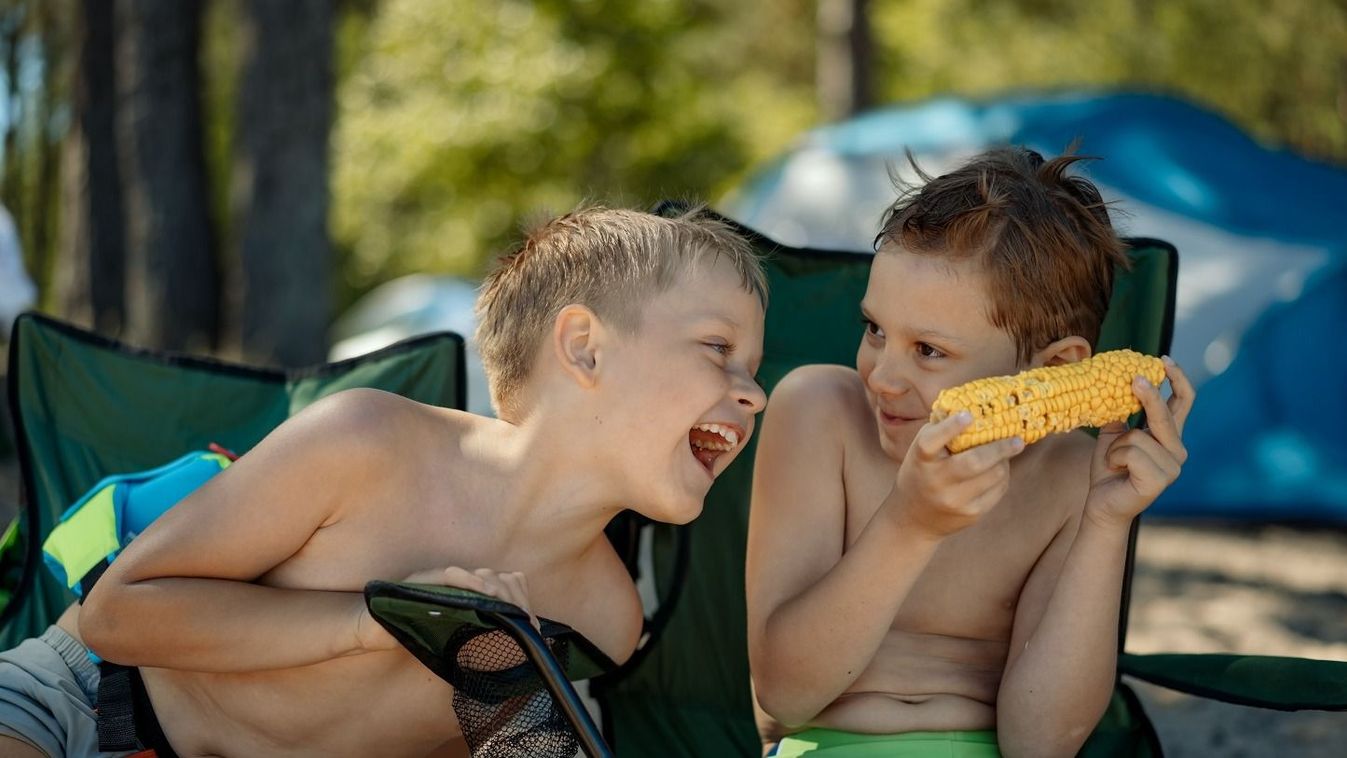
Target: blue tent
column 1262, row 239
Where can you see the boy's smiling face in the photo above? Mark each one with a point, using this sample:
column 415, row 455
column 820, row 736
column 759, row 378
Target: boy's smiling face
column 926, row 328
column 681, row 390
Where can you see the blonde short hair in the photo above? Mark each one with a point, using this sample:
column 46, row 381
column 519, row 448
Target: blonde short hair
column 609, row 260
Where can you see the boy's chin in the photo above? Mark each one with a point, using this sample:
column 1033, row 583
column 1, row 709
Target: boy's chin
column 894, row 446
column 678, row 511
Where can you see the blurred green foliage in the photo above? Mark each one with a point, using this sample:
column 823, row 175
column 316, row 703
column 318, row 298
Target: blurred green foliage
column 460, row 120
column 1278, row 68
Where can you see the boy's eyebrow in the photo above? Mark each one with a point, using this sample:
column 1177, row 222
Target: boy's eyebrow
column 726, row 320
column 934, row 336
column 924, row 335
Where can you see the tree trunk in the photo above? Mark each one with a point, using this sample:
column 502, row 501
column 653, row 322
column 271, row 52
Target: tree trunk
column 91, row 279
column 844, row 58
column 172, row 279
column 279, row 180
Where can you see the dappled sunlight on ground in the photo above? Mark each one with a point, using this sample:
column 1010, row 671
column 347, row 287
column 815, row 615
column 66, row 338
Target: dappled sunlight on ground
column 1269, row 590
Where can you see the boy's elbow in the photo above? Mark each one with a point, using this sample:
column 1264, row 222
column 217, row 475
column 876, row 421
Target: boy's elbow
column 1041, row 739
column 783, row 702
column 1064, row 745
column 99, row 621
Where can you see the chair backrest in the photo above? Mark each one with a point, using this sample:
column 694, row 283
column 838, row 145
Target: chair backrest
column 85, row 407
column 686, row 693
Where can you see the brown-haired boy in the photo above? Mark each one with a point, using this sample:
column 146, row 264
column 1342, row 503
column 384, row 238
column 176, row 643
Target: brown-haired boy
column 896, row 590
column 621, row 349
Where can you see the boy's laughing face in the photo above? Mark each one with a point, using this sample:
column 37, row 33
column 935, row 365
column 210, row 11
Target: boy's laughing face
column 926, row 328
column 682, row 386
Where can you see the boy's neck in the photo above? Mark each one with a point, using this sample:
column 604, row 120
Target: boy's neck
column 550, row 480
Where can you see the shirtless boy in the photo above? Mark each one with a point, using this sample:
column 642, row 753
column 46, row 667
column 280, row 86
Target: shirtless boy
column 612, row 340
column 894, row 589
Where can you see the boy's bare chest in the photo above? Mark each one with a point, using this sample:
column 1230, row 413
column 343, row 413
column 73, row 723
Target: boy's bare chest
column 392, row 546
column 972, row 584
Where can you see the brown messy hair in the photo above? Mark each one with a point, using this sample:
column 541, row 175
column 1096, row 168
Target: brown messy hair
column 610, row 260
column 1043, row 237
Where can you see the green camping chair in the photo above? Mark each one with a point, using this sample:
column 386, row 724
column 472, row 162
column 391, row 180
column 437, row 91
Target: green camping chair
column 84, row 407
column 686, row 690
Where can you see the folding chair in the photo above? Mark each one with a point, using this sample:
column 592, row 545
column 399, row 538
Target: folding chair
column 85, row 406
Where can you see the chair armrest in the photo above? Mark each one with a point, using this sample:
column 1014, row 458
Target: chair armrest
column 435, row 623
column 1278, row 683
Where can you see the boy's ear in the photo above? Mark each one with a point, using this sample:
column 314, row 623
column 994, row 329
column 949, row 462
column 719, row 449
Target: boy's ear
column 1065, row 350
column 576, row 334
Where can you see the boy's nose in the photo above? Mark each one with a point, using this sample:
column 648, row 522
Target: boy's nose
column 750, row 395
column 886, row 379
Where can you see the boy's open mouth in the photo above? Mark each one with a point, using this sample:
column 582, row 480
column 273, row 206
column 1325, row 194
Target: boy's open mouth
column 709, row 441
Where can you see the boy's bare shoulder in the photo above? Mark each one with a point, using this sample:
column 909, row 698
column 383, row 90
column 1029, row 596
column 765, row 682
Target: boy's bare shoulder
column 1063, row 480
column 374, row 420
column 359, row 435
column 820, row 388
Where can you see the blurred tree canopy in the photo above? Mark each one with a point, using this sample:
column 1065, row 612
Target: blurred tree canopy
column 456, row 121
column 459, row 118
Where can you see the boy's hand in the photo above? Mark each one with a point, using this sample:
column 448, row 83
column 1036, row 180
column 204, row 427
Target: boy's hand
column 507, row 586
column 941, row 492
column 1132, row 467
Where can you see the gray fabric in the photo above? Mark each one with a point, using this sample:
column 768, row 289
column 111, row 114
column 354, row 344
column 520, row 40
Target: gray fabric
column 48, row 687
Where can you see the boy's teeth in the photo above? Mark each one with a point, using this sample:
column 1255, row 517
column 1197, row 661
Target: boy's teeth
column 729, row 435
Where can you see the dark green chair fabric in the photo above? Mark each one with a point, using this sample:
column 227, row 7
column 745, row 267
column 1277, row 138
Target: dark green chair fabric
column 85, row 407
column 686, row 692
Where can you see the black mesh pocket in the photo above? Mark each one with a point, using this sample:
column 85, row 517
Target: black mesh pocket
column 502, row 704
column 504, row 698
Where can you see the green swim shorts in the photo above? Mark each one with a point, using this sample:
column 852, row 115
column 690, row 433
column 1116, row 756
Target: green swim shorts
column 830, row 743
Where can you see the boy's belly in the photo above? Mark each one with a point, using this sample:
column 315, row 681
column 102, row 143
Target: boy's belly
column 922, row 682
column 372, row 704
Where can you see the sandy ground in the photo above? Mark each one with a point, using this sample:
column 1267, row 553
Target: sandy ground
column 1272, row 590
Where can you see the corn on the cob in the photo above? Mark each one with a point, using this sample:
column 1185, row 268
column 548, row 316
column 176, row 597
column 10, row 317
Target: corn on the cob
column 1035, row 403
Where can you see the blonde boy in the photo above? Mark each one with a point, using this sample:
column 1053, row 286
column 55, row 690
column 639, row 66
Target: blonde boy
column 896, row 590
column 613, row 341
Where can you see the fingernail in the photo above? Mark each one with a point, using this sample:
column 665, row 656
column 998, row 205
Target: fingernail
column 1141, row 382
column 1017, row 444
column 1167, row 360
column 963, row 417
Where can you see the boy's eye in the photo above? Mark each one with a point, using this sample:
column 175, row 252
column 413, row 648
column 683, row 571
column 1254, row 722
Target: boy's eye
column 723, row 348
column 872, row 329
column 926, row 350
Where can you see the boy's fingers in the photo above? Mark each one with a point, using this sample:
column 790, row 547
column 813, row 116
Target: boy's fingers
column 1108, row 433
column 988, row 456
column 466, row 580
column 1150, row 470
column 1160, row 420
column 514, row 584
column 931, row 439
column 1183, row 393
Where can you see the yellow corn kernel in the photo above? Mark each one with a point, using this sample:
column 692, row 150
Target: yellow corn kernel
column 1035, row 403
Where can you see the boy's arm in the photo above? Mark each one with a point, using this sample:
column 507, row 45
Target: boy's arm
column 182, row 594
column 1061, row 665
column 817, row 613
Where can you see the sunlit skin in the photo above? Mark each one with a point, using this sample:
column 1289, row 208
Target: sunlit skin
column 895, row 587
column 242, row 604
